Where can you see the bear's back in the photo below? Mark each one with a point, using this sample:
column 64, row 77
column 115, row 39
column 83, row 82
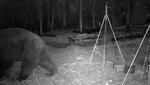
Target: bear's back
column 18, row 33
column 14, row 41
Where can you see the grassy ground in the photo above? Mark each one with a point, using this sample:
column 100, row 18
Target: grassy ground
column 72, row 60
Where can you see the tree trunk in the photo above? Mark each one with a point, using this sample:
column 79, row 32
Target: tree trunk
column 128, row 17
column 64, row 3
column 128, row 28
column 48, row 15
column 41, row 19
column 93, row 13
column 114, row 11
column 52, row 17
column 80, row 17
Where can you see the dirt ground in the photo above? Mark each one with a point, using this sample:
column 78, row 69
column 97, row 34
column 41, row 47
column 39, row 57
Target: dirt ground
column 72, row 59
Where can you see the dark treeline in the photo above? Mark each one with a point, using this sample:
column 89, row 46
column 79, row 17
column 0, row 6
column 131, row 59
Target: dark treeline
column 51, row 14
column 25, row 13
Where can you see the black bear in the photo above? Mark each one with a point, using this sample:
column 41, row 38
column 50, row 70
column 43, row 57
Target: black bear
column 29, row 48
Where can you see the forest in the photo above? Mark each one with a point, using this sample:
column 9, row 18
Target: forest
column 44, row 16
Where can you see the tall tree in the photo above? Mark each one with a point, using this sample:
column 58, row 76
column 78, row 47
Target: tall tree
column 48, row 15
column 64, row 5
column 80, row 17
column 39, row 4
column 130, row 4
column 93, row 12
column 41, row 19
column 52, row 16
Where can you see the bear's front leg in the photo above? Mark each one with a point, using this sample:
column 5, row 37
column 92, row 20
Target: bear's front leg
column 46, row 62
column 26, row 69
column 50, row 66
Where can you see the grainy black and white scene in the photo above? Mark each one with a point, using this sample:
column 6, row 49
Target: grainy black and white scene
column 74, row 42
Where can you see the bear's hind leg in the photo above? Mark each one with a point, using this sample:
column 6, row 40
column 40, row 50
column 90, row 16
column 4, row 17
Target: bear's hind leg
column 5, row 66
